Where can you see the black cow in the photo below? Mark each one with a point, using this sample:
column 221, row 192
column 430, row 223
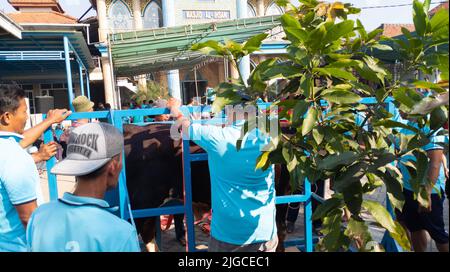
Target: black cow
column 155, row 177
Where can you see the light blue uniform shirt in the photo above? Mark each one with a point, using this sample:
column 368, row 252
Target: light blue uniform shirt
column 243, row 199
column 79, row 224
column 433, row 145
column 19, row 184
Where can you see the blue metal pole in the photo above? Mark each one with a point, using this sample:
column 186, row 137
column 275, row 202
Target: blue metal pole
column 308, row 217
column 80, row 69
column 188, row 197
column 88, row 87
column 68, row 72
column 52, row 184
column 123, row 192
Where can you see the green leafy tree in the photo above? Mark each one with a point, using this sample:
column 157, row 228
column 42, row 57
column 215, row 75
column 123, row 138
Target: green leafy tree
column 153, row 91
column 329, row 68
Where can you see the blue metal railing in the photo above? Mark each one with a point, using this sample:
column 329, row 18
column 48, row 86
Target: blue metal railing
column 121, row 194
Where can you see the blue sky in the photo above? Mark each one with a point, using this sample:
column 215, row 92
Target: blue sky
column 371, row 18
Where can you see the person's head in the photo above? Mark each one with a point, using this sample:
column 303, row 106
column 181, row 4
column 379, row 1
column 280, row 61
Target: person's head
column 94, row 154
column 13, row 109
column 83, row 104
column 107, row 106
column 151, row 102
column 239, row 110
column 125, row 106
column 161, row 103
column 101, row 106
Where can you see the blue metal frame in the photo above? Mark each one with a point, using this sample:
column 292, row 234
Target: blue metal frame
column 115, row 117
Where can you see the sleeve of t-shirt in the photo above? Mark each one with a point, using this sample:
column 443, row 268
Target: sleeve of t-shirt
column 203, row 135
column 132, row 243
column 434, row 141
column 20, row 182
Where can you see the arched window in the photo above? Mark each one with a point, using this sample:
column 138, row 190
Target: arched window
column 274, row 9
column 153, row 16
column 251, row 11
column 120, row 16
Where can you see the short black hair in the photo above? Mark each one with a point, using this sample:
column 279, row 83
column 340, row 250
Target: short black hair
column 10, row 96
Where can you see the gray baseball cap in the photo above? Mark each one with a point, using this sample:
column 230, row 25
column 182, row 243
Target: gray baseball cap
column 90, row 147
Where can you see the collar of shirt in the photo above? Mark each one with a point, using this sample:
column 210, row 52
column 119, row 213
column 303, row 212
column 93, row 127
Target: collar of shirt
column 74, row 200
column 7, row 134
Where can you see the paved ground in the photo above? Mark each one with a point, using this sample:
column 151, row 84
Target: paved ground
column 170, row 244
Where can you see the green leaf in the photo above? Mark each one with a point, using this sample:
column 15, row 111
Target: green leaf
column 335, row 72
column 339, row 30
column 262, row 161
column 382, row 216
column 292, row 164
column 402, row 96
column 382, row 47
column 332, row 231
column 310, row 120
column 342, row 97
column 299, row 110
column 353, row 197
column 439, row 117
column 316, row 37
column 394, row 188
column 395, row 124
column 373, row 34
column 429, row 86
column 419, row 18
column 306, row 85
column 296, row 35
column 439, row 20
column 210, row 47
column 318, row 136
column 332, row 161
column 352, row 174
column 358, row 230
column 329, row 205
column 254, row 43
column 421, row 170
column 289, row 21
column 361, row 30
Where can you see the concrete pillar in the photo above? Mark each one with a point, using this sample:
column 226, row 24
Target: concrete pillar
column 244, row 65
column 139, row 25
column 106, row 65
column 173, row 76
column 260, row 8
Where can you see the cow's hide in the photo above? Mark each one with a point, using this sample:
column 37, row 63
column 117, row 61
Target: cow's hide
column 155, row 177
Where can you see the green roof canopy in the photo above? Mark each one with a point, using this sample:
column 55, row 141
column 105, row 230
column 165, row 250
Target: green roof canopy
column 140, row 52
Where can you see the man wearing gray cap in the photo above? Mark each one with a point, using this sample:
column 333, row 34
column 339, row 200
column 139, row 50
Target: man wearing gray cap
column 82, row 221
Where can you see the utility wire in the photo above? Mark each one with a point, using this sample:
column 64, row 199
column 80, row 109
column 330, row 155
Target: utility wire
column 400, row 5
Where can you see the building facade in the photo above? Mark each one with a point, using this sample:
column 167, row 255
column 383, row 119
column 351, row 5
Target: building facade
column 117, row 16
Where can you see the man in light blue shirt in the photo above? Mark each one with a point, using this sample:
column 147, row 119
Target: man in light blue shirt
column 20, row 191
column 243, row 199
column 419, row 219
column 82, row 221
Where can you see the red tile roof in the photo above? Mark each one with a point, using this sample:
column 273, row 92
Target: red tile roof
column 439, row 7
column 53, row 4
column 50, row 17
column 393, row 30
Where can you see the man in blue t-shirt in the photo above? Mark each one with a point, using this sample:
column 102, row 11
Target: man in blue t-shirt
column 20, row 191
column 243, row 199
column 82, row 221
column 419, row 219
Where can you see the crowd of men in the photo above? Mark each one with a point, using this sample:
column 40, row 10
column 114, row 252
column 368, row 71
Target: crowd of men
column 243, row 199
